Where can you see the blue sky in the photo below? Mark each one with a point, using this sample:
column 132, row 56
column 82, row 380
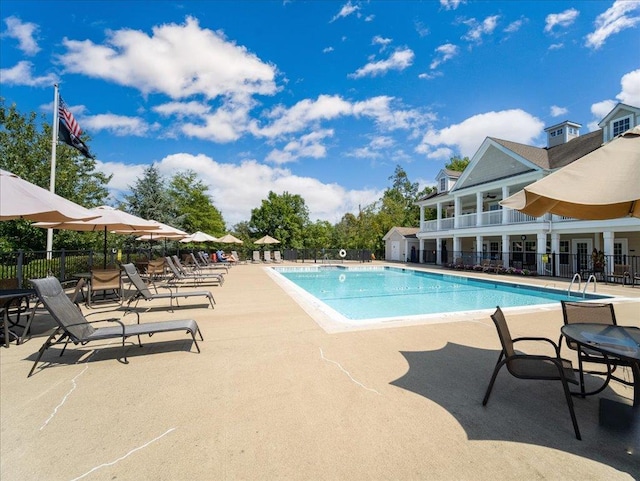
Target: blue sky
column 317, row 98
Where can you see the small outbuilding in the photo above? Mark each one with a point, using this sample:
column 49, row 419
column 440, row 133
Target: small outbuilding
column 402, row 245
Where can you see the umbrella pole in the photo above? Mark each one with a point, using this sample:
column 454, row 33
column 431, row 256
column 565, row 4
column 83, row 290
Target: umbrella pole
column 104, row 262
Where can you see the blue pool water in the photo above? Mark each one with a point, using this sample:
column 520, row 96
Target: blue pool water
column 388, row 292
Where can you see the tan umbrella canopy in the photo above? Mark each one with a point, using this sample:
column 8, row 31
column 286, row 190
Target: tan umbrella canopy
column 199, row 237
column 162, row 231
column 604, row 184
column 20, row 199
column 229, row 239
column 108, row 219
column 267, row 240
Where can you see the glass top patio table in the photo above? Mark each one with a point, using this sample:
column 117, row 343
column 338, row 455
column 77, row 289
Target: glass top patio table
column 7, row 296
column 618, row 341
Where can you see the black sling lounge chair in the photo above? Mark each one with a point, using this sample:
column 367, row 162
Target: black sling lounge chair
column 74, row 327
column 143, row 292
column 181, row 274
column 528, row 366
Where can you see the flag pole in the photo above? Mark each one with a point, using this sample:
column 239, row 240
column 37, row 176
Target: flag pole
column 52, row 177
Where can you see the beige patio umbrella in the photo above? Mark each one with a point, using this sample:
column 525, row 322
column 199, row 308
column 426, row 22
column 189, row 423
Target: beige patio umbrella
column 199, row 236
column 267, row 240
column 108, row 218
column 229, row 239
column 162, row 231
column 604, row 184
column 20, row 199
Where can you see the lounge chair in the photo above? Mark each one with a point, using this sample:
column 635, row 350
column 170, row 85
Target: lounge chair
column 256, row 257
column 277, row 257
column 267, row 256
column 194, row 277
column 199, row 265
column 143, row 292
column 194, row 271
column 74, row 327
column 235, row 254
column 587, row 312
column 621, row 272
column 526, row 366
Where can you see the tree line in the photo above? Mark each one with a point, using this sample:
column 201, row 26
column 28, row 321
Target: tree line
column 183, row 200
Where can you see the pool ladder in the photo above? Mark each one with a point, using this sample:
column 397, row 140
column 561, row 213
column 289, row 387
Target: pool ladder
column 586, row 284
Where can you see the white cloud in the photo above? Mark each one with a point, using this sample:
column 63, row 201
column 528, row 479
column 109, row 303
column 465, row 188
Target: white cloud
column 328, row 107
column 327, row 50
column 383, row 42
column 630, row 95
column 118, row 125
column 443, row 53
column 309, row 145
column 183, row 109
column 612, row 21
column 236, row 189
column 21, row 74
column 558, row 111
column 478, row 30
column 399, row 60
column 514, row 26
column 556, row 46
column 451, row 4
column 562, row 19
column 178, row 60
column 466, row 137
column 24, row 33
column 346, row 10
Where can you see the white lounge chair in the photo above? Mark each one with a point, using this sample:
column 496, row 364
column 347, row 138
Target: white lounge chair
column 267, row 256
column 277, row 257
column 256, row 257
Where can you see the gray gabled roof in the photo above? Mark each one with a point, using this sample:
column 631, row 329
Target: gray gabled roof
column 558, row 156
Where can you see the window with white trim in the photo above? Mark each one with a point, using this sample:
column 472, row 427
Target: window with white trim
column 620, row 126
column 443, row 184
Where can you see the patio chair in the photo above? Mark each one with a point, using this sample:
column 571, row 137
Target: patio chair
column 105, row 280
column 240, row 261
column 256, row 257
column 143, row 292
column 621, row 272
column 267, row 256
column 277, row 257
column 527, row 366
column 593, row 313
column 74, row 327
column 194, row 277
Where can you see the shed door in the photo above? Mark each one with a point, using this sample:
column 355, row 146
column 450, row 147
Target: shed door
column 395, row 250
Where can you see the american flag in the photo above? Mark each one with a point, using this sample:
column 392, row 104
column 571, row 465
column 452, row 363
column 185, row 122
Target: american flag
column 67, row 117
column 69, row 131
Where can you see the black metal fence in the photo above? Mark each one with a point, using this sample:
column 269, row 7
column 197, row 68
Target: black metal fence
column 552, row 265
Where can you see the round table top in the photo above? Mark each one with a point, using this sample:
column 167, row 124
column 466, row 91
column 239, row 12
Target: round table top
column 620, row 341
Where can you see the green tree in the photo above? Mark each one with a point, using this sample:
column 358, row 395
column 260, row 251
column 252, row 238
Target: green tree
column 150, row 199
column 25, row 150
column 283, row 217
column 319, row 235
column 457, row 163
column 198, row 212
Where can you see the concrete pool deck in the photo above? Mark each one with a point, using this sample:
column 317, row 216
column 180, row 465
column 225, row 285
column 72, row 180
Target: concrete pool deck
column 274, row 396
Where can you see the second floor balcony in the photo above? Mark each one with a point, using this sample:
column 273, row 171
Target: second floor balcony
column 488, row 218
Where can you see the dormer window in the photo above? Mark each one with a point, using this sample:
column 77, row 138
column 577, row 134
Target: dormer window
column 620, row 126
column 443, row 184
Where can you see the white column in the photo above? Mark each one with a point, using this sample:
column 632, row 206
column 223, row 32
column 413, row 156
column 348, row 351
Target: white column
column 439, row 216
column 541, row 248
column 420, row 251
column 479, row 249
column 438, row 250
column 457, row 247
column 478, row 209
column 457, row 209
column 505, row 212
column 608, row 249
column 422, row 217
column 505, row 250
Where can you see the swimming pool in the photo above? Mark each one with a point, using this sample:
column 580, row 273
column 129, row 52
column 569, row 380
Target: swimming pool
column 358, row 295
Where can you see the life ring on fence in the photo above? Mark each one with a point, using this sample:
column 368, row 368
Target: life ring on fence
column 342, row 278
column 342, row 253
